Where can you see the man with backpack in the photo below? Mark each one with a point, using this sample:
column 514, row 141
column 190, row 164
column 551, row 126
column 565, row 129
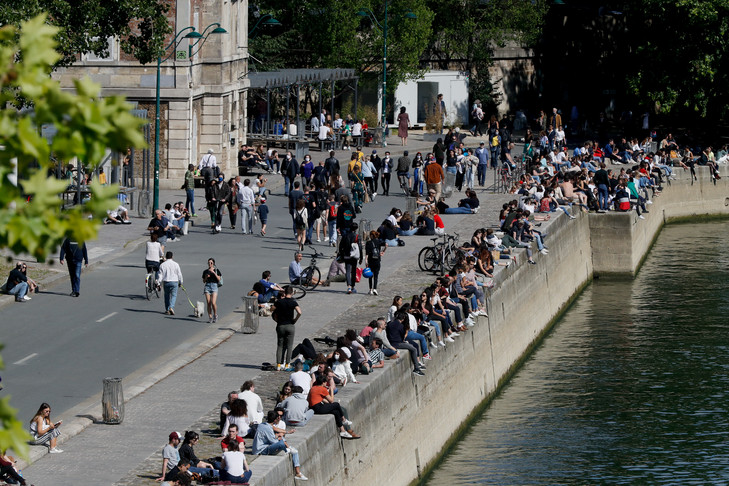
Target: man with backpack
column 331, row 165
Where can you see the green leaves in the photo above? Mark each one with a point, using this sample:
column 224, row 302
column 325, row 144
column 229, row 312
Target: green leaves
column 31, row 218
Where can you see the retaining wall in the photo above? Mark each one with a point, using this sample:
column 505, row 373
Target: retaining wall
column 405, row 421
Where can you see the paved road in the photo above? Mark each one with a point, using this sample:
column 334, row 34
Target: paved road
column 58, row 349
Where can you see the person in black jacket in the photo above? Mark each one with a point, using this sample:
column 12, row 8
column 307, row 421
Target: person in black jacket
column 374, row 249
column 350, row 250
column 217, row 195
column 196, row 465
column 77, row 255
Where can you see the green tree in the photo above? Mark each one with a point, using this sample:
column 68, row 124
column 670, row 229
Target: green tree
column 464, row 36
column 31, row 220
column 689, row 77
column 84, row 25
column 329, row 34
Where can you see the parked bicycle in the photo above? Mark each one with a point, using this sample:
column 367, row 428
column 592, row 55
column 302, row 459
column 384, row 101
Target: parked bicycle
column 440, row 256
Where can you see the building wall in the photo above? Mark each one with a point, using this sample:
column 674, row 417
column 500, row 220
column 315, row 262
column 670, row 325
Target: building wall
column 452, row 84
column 207, row 84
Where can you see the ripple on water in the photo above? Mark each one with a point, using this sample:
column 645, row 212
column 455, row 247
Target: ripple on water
column 630, row 386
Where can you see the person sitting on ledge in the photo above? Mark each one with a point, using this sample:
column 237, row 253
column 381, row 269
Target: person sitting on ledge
column 321, row 400
column 265, row 443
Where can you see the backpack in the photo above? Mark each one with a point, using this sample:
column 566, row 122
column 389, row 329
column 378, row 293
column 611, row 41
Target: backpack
column 354, row 252
column 299, row 219
column 332, row 210
column 285, row 165
column 495, row 141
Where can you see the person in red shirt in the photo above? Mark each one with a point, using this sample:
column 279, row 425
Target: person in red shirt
column 321, row 401
column 232, row 436
column 439, row 226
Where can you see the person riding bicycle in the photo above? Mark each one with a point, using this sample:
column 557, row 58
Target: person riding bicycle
column 296, row 272
column 403, row 170
column 153, row 257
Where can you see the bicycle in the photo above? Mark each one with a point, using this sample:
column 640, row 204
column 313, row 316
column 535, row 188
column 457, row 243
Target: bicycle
column 404, row 184
column 310, row 276
column 150, row 283
column 441, row 255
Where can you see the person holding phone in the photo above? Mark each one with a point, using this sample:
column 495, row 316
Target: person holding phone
column 44, row 431
column 212, row 278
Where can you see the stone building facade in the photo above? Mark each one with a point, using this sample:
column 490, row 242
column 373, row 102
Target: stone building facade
column 203, row 96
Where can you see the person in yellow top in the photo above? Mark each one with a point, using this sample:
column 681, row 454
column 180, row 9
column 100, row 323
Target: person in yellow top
column 102, row 176
column 353, row 163
column 360, row 155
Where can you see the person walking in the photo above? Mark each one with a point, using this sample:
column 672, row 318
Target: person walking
column 387, row 165
column 218, row 193
column 403, row 123
column 350, row 249
column 246, row 203
column 374, row 250
column 77, row 256
column 189, row 187
column 213, row 279
column 171, row 277
column 286, row 312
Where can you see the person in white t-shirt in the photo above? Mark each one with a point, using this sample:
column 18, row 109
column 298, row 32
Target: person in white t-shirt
column 301, row 378
column 253, row 402
column 235, row 467
column 357, row 129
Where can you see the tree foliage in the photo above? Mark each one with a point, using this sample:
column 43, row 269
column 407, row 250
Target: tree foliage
column 679, row 59
column 84, row 25
column 329, row 33
column 465, row 35
column 86, row 126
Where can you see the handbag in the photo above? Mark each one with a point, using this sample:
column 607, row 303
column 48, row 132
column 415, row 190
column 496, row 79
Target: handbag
column 358, row 275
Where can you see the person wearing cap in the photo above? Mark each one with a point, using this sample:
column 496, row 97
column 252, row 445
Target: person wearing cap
column 170, row 455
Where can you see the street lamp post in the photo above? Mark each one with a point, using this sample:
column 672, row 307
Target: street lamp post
column 192, row 34
column 383, row 27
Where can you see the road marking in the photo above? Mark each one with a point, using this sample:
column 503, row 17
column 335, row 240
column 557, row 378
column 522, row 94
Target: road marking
column 29, row 357
column 106, row 317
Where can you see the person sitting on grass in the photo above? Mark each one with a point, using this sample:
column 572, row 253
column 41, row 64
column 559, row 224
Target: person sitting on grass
column 265, row 443
column 187, row 452
column 296, row 407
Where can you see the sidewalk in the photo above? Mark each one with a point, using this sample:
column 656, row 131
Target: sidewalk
column 199, row 387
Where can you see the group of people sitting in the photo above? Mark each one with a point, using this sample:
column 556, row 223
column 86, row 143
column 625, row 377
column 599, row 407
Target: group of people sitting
column 241, row 417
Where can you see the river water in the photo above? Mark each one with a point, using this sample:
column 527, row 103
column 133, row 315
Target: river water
column 630, row 387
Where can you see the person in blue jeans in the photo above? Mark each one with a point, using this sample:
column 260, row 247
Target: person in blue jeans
column 171, row 277
column 265, row 442
column 235, row 467
column 189, row 187
column 77, row 256
column 19, row 284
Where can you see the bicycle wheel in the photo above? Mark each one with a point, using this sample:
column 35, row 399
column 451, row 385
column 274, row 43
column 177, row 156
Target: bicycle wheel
column 299, row 292
column 310, row 278
column 156, row 288
column 147, row 290
column 427, row 259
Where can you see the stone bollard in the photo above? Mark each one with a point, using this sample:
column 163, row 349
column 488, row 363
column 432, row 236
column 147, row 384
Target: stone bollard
column 250, row 317
column 112, row 401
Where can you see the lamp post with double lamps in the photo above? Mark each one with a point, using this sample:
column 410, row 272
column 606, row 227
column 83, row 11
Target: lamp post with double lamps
column 383, row 27
column 190, row 33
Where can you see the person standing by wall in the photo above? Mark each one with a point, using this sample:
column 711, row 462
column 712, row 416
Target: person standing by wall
column 77, row 256
column 286, row 312
column 171, row 277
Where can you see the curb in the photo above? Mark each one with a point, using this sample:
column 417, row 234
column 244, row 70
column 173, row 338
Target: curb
column 172, row 360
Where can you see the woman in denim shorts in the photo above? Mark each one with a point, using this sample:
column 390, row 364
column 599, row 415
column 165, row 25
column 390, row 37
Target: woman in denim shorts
column 212, row 278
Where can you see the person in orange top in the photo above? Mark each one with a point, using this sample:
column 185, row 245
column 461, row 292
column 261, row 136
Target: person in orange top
column 321, row 401
column 433, row 175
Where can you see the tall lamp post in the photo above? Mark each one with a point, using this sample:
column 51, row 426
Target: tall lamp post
column 191, row 34
column 383, row 27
